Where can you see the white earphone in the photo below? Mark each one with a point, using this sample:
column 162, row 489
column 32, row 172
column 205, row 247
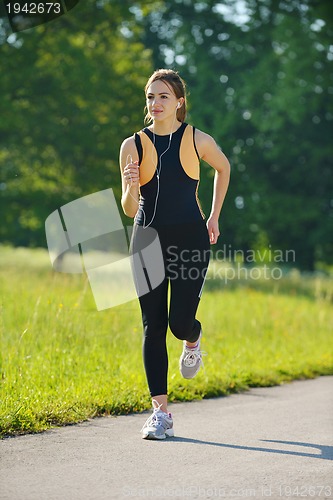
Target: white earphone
column 178, row 105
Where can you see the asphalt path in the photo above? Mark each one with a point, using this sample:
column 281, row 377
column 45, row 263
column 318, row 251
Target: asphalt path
column 264, row 443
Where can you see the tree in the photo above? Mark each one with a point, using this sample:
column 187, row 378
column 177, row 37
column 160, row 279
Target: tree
column 260, row 81
column 72, row 91
column 260, row 77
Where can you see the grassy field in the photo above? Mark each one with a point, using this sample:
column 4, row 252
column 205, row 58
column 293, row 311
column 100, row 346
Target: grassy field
column 62, row 361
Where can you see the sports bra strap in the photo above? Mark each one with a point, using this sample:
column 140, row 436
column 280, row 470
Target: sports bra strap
column 138, row 146
column 195, row 147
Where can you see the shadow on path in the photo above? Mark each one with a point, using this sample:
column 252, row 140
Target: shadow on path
column 326, row 451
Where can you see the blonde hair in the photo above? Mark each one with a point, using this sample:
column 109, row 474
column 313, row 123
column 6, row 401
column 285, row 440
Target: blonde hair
column 175, row 83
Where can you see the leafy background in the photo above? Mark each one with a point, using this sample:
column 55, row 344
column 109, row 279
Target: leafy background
column 260, row 80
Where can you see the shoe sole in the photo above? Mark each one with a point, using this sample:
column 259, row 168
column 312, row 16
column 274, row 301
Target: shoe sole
column 152, row 436
column 181, row 365
column 187, row 377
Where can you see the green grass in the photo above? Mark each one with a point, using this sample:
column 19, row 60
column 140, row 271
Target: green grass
column 63, row 361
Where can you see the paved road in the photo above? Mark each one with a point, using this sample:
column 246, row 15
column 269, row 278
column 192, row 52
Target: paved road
column 266, row 443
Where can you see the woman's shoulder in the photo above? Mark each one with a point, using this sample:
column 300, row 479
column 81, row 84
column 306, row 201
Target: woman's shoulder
column 202, row 138
column 128, row 143
column 204, row 143
column 131, row 139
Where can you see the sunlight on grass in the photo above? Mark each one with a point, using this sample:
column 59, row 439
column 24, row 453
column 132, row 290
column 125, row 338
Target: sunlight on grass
column 63, row 361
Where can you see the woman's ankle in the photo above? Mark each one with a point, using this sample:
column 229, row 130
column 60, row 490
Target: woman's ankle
column 195, row 344
column 160, row 401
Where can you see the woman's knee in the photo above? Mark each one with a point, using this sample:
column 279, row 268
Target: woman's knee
column 181, row 328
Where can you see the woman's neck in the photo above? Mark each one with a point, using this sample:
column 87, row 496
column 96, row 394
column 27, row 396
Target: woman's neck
column 163, row 128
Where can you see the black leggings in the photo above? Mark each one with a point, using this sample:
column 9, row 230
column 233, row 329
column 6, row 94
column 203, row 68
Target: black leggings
column 179, row 256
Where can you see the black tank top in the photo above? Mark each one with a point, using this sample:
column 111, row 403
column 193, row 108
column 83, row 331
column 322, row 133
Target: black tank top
column 177, row 187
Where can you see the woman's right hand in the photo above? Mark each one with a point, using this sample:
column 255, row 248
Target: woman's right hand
column 131, row 172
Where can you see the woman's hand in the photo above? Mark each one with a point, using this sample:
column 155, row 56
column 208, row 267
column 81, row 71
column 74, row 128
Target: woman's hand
column 131, row 173
column 213, row 229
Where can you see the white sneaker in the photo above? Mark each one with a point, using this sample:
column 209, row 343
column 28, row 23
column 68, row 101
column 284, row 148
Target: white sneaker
column 159, row 425
column 190, row 360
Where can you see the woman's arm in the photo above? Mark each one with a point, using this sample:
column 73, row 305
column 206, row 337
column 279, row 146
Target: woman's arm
column 129, row 169
column 210, row 152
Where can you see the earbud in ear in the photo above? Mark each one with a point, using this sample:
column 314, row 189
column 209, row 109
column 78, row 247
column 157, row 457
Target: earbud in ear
column 178, row 105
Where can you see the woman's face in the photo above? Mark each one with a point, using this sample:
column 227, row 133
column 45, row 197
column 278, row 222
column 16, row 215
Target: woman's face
column 161, row 101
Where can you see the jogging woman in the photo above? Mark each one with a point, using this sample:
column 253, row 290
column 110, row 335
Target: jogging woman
column 160, row 177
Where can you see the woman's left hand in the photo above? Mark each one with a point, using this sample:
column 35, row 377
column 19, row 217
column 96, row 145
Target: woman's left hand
column 213, row 229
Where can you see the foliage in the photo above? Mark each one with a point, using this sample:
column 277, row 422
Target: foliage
column 260, row 76
column 77, row 92
column 260, row 79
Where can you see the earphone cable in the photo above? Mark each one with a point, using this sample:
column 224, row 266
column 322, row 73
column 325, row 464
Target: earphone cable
column 158, row 171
